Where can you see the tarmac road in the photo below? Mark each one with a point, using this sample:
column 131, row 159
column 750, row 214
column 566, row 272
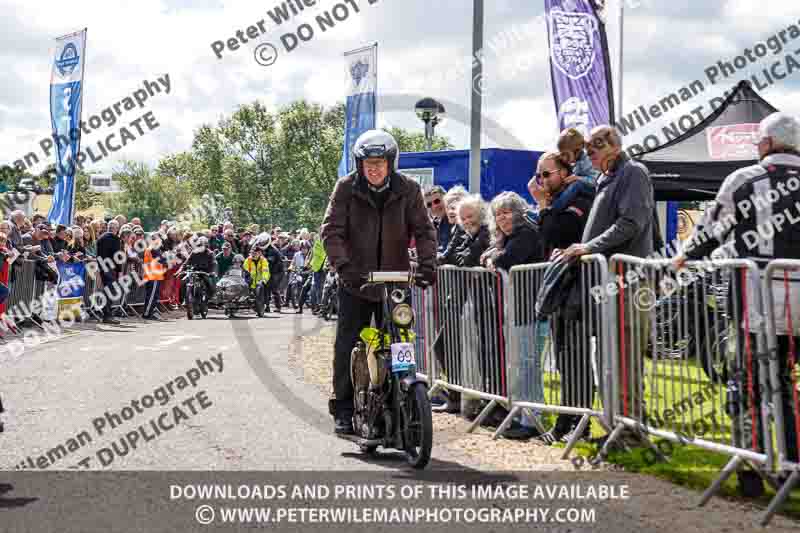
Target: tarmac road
column 241, row 408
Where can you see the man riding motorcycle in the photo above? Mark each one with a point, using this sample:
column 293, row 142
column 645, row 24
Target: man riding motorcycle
column 372, row 214
column 203, row 260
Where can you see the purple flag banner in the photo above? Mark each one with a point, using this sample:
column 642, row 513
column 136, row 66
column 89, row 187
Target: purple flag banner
column 579, row 65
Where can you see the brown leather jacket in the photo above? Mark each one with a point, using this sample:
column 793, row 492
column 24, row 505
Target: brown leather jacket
column 353, row 226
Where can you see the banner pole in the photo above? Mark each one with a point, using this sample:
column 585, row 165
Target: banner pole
column 477, row 98
column 72, row 209
column 620, row 67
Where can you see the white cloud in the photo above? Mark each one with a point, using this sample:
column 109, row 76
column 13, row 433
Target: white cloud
column 424, row 50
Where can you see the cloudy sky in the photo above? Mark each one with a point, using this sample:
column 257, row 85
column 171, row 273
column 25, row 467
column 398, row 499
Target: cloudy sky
column 424, row 47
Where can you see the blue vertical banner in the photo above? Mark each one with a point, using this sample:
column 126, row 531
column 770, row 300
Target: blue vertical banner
column 360, row 114
column 66, row 95
column 580, row 68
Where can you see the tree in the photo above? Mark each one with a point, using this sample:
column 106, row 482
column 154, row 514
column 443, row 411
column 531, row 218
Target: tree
column 273, row 168
column 150, row 196
column 85, row 198
column 415, row 142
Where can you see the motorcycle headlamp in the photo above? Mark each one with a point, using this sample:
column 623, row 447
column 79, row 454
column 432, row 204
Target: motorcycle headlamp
column 402, row 315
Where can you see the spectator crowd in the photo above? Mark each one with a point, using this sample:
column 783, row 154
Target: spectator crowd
column 118, row 246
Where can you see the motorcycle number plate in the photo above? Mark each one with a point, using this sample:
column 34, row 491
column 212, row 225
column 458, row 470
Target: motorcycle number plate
column 402, row 356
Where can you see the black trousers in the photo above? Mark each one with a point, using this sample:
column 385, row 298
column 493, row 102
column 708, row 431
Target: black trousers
column 787, row 400
column 108, row 281
column 274, row 288
column 355, row 314
column 573, row 359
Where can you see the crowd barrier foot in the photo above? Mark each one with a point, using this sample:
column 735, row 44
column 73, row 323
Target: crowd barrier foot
column 614, row 435
column 727, row 472
column 435, row 389
column 780, row 497
column 483, row 414
column 506, row 422
column 576, row 436
column 137, row 315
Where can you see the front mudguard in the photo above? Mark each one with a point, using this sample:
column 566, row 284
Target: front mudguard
column 408, row 381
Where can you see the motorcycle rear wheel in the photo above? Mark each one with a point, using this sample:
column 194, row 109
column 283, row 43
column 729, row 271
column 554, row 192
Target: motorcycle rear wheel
column 418, row 430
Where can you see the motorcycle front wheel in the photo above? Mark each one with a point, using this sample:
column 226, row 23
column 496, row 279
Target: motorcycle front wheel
column 417, row 426
column 189, row 302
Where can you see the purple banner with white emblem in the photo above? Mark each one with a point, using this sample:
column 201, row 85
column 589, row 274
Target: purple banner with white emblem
column 579, row 64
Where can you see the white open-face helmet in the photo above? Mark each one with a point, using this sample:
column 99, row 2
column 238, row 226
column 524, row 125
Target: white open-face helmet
column 376, row 143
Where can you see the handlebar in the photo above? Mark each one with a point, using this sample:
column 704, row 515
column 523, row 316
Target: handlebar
column 389, row 277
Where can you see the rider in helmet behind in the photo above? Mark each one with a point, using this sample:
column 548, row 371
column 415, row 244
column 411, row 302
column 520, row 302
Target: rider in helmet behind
column 202, row 259
column 372, row 214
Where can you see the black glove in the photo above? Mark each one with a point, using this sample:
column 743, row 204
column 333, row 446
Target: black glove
column 425, row 277
column 350, row 276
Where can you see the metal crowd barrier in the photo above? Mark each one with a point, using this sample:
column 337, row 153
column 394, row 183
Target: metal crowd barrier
column 473, row 326
column 782, row 305
column 21, row 291
column 684, row 370
column 423, row 303
column 553, row 364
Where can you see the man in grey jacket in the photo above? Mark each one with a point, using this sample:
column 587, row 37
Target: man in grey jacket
column 621, row 222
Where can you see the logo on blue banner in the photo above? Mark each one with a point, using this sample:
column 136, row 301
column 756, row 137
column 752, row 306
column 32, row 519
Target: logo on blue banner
column 359, row 71
column 572, row 42
column 579, row 64
column 68, row 61
column 70, row 279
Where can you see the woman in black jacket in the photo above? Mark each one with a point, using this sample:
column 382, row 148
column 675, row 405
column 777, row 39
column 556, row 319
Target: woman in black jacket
column 451, row 201
column 516, row 242
column 464, row 250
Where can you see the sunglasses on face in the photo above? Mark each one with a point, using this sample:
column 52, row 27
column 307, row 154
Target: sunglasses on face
column 437, row 201
column 546, row 173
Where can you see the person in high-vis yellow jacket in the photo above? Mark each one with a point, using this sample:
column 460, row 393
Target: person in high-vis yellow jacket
column 257, row 267
column 318, row 256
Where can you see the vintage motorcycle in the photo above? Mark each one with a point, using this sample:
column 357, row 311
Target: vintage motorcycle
column 391, row 405
column 196, row 293
column 329, row 302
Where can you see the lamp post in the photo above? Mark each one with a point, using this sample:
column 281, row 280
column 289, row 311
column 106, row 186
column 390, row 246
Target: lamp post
column 431, row 113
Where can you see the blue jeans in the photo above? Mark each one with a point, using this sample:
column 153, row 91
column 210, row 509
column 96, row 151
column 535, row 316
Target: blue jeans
column 530, row 379
column 317, row 281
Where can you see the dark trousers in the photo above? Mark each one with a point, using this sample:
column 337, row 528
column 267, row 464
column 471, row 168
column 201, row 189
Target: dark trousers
column 787, row 400
column 573, row 358
column 355, row 314
column 305, row 291
column 274, row 288
column 108, row 281
column 151, row 298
